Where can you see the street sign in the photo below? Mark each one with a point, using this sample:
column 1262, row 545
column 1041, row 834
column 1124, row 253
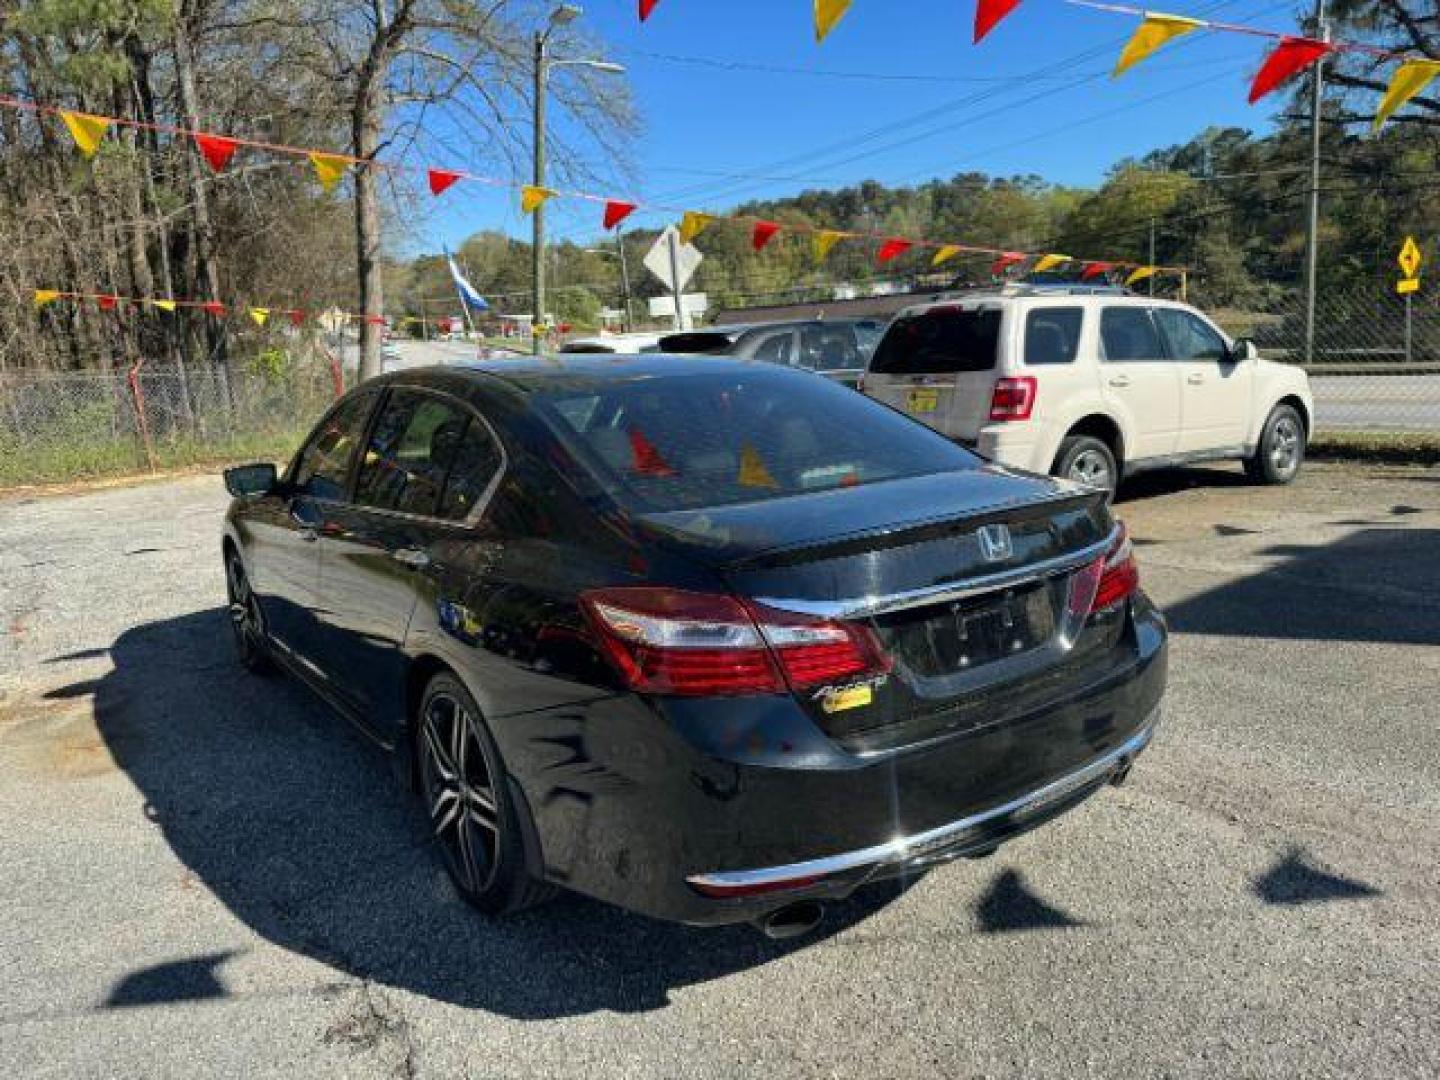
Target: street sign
column 687, row 257
column 1406, row 286
column 1409, row 258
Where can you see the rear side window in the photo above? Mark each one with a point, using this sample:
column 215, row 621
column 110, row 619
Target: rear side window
column 1052, row 335
column 1128, row 334
column 777, row 347
column 939, row 341
column 690, row 441
column 423, row 458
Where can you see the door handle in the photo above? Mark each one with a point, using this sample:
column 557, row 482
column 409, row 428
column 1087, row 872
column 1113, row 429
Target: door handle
column 1119, row 380
column 1195, row 378
column 414, row 558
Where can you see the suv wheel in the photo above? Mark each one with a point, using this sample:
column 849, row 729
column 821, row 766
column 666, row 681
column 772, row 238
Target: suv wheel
column 1087, row 460
column 1282, row 448
column 472, row 816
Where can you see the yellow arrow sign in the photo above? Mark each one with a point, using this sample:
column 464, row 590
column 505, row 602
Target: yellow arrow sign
column 1409, row 258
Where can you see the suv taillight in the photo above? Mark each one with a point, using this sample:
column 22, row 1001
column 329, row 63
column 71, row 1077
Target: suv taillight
column 1013, row 399
column 672, row 641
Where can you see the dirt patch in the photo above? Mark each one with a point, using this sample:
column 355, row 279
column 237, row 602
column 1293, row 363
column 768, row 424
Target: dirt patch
column 57, row 737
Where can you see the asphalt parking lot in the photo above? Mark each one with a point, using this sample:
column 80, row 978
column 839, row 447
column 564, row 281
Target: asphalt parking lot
column 208, row 874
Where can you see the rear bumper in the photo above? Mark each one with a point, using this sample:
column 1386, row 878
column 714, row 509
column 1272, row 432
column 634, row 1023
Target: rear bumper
column 976, row 832
column 678, row 808
column 1023, row 445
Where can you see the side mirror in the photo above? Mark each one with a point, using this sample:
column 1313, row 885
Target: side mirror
column 244, row 481
column 1244, row 351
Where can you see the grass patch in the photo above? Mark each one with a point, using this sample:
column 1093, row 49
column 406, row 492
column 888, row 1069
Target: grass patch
column 1400, row 448
column 62, row 462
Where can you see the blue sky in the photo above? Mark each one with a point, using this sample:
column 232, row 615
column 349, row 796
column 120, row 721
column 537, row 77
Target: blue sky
column 1034, row 97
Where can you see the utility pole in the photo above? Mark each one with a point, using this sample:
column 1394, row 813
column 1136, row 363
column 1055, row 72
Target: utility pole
column 538, row 179
column 1312, row 225
column 627, row 324
column 675, row 278
column 1151, row 279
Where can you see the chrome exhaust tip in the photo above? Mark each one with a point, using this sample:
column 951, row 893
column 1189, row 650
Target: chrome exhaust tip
column 792, row 921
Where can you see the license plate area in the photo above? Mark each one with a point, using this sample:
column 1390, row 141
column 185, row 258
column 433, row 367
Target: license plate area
column 923, row 400
column 963, row 636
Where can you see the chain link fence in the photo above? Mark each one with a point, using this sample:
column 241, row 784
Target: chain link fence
column 56, row 427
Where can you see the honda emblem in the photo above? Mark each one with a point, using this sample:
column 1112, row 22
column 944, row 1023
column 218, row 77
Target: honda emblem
column 995, row 543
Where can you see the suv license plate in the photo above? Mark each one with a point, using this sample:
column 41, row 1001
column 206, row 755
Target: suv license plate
column 923, row 401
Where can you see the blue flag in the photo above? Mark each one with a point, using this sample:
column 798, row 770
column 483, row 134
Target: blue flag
column 469, row 295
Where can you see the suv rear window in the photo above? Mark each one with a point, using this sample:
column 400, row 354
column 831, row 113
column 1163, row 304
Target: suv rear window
column 1052, row 335
column 939, row 341
column 688, row 441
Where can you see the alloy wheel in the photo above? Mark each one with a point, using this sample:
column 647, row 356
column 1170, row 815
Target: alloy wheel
column 1285, row 446
column 244, row 611
column 460, row 792
column 1091, row 469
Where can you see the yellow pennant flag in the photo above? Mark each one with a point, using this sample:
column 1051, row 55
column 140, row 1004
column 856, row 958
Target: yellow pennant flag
column 86, row 130
column 532, row 198
column 693, row 224
column 1140, row 273
column 945, row 254
column 46, row 296
column 1049, row 262
column 824, row 240
column 1409, row 79
column 329, row 168
column 827, row 14
column 261, row 315
column 753, row 472
column 1155, row 31
column 164, row 305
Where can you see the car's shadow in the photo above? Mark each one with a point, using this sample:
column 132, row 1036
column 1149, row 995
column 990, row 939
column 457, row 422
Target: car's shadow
column 300, row 828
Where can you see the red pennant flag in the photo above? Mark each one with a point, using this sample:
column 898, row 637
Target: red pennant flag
column 297, row 317
column 1290, row 57
column 1010, row 258
column 646, row 7
column 440, row 179
column 764, row 230
column 213, row 307
column 989, row 12
column 617, row 211
column 892, row 248
column 107, row 303
column 1095, row 269
column 217, row 149
column 375, row 320
column 644, row 458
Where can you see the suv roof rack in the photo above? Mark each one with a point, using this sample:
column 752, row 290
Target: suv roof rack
column 1021, row 288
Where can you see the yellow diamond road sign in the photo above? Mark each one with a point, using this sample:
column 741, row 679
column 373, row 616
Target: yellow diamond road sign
column 1409, row 258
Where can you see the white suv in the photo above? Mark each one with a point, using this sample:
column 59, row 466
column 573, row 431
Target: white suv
column 1091, row 383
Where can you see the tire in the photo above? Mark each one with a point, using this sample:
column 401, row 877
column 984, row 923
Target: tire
column 247, row 621
column 1087, row 460
column 471, row 814
column 1281, row 450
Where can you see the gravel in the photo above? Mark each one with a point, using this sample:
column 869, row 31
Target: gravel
column 209, row 874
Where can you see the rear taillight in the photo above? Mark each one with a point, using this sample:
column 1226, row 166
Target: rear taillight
column 1013, row 399
column 1106, row 581
column 672, row 641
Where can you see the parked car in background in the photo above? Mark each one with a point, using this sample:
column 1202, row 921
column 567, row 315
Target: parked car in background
column 714, row 641
column 1092, row 384
column 836, row 348
column 613, row 344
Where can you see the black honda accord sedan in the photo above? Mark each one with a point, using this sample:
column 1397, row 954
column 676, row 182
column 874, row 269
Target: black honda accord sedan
column 713, row 640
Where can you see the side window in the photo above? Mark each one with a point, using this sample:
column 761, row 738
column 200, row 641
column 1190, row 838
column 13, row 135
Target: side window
column 1190, row 338
column 774, row 348
column 416, row 440
column 1128, row 334
column 324, row 464
column 829, row 348
column 477, row 459
column 1052, row 335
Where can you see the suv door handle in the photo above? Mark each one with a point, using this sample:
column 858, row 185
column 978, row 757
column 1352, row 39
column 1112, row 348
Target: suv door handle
column 1195, row 378
column 1119, row 380
column 414, row 558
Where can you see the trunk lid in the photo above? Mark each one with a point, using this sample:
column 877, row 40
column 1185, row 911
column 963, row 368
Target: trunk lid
column 963, row 578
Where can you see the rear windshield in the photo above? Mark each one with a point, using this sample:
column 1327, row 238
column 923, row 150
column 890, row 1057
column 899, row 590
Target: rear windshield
column 939, row 341
column 687, row 441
